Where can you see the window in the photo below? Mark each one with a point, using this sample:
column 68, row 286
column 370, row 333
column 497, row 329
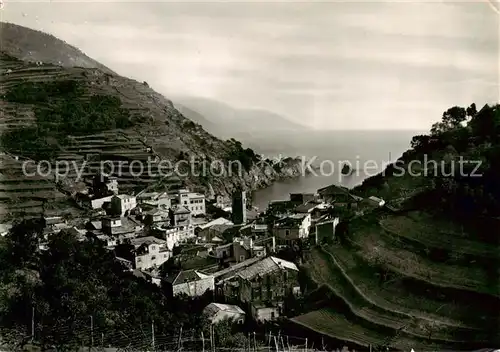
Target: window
column 153, row 247
column 139, row 260
column 272, row 315
column 153, row 258
column 287, row 233
column 242, row 258
column 164, row 256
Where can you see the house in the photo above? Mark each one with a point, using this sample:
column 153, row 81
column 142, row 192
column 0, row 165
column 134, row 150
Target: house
column 122, row 204
column 98, row 203
column 190, row 282
column 180, row 215
column 333, row 192
column 215, row 233
column 292, row 228
column 150, row 252
column 279, row 208
column 217, row 312
column 374, row 201
column 155, row 199
column 325, row 230
column 156, row 216
column 263, row 285
column 116, row 226
column 339, row 196
column 194, row 202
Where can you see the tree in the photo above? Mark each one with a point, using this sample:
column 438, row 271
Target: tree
column 471, row 110
column 22, row 242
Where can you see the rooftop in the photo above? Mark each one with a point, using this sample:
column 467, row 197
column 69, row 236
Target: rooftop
column 332, row 190
column 181, row 210
column 186, row 276
column 137, row 242
column 305, row 208
column 265, row 266
column 218, row 221
column 214, row 308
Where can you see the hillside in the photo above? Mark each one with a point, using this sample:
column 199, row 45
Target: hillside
column 225, row 121
column 423, row 272
column 89, row 117
column 34, row 46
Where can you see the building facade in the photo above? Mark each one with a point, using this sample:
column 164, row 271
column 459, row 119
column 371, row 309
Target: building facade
column 191, row 283
column 122, row 204
column 195, row 202
column 292, row 228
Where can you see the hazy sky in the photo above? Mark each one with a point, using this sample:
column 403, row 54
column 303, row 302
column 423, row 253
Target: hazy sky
column 330, row 65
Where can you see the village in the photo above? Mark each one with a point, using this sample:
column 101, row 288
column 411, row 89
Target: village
column 232, row 251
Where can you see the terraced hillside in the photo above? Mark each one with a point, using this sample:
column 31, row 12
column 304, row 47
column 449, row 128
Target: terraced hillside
column 87, row 118
column 424, row 272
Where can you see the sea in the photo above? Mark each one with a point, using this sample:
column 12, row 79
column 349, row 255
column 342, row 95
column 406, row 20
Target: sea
column 368, row 152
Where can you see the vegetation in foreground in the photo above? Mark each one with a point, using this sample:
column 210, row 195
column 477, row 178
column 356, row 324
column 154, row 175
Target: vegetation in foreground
column 72, row 282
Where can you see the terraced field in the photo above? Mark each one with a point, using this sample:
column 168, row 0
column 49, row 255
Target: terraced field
column 383, row 284
column 21, row 194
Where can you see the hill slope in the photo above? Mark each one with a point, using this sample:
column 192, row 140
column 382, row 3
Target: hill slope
column 33, row 46
column 423, row 272
column 90, row 117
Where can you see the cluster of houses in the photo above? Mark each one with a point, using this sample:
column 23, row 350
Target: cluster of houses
column 235, row 257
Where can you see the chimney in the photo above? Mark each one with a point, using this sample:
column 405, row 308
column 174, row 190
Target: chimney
column 274, row 244
column 251, row 243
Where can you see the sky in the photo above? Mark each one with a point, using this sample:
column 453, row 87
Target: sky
column 328, row 65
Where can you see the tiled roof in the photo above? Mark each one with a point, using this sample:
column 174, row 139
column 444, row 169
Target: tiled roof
column 218, row 221
column 332, row 189
column 214, row 308
column 236, row 267
column 185, row 277
column 265, row 266
column 181, row 210
column 137, row 242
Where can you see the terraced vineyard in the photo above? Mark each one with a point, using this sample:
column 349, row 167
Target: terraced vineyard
column 386, row 286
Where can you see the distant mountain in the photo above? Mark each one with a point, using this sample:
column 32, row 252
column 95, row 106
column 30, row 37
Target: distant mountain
column 226, row 121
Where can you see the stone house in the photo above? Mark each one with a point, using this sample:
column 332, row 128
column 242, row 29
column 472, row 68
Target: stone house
column 263, row 286
column 190, row 282
column 180, row 216
column 293, row 228
column 150, row 252
column 122, row 204
column 325, row 230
